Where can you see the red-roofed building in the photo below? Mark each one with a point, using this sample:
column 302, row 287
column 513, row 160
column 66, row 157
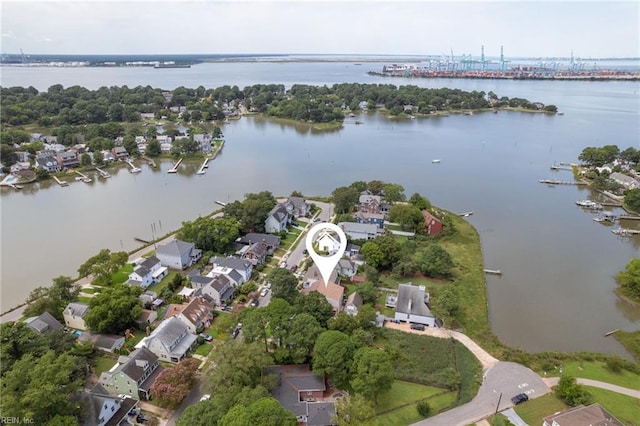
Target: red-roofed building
column 432, row 225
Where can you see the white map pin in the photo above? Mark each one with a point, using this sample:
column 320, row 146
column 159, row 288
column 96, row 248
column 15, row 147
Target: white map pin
column 326, row 264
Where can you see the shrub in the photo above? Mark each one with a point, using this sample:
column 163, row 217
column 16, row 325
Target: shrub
column 423, row 408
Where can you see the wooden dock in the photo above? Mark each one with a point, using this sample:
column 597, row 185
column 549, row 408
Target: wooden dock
column 561, row 182
column 134, row 169
column 629, row 217
column 611, row 332
column 149, row 161
column 625, row 232
column 607, row 204
column 493, row 271
column 554, row 167
column 60, row 182
column 465, row 214
column 140, row 240
column 205, row 164
column 174, row 169
column 103, row 173
column 84, row 178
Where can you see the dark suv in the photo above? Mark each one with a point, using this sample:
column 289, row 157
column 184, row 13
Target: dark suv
column 519, row 398
column 416, row 326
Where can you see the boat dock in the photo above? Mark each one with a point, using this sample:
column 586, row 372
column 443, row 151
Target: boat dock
column 465, row 214
column 554, row 167
column 493, row 271
column 606, row 204
column 149, row 161
column 134, row 169
column 103, row 173
column 140, row 240
column 561, row 182
column 611, row 332
column 205, row 164
column 221, row 203
column 84, row 178
column 625, row 232
column 60, row 182
column 629, row 217
column 174, row 169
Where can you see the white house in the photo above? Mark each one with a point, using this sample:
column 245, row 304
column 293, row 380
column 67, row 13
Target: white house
column 278, row 219
column 300, row 206
column 347, row 268
column 178, row 254
column 360, row 231
column 627, row 181
column 327, row 243
column 220, row 290
column 148, row 271
column 237, row 270
column 74, row 315
column 411, row 305
column 354, row 301
column 171, row 341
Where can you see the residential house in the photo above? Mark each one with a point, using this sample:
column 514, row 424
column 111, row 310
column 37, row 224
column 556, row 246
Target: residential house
column 103, row 342
column 55, row 147
column 147, row 272
column 101, row 409
column 204, row 142
column 347, row 268
column 593, row 414
column 118, row 141
column 108, row 156
column 140, row 140
column 333, row 292
column 301, row 392
column 371, row 218
column 36, row 137
column 255, row 253
column 49, row 139
column 43, row 323
column 74, row 315
column 132, row 375
column 47, row 160
column 313, row 274
column 196, row 315
column 627, row 181
column 368, row 203
column 19, row 166
column 220, row 290
column 178, row 254
column 327, row 243
column 171, row 341
column 120, row 153
column 146, row 317
column 278, row 219
column 148, row 297
column 22, row 156
column 225, row 266
column 360, row 231
column 354, row 301
column 271, row 242
column 68, row 159
column 432, row 224
column 198, row 281
column 411, row 305
column 352, row 251
column 300, row 207
column 164, row 139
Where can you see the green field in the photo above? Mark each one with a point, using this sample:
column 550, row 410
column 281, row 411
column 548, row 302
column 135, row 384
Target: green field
column 122, row 275
column 398, row 405
column 535, row 410
column 624, row 408
column 204, row 349
column 631, row 341
column 102, row 363
column 598, row 371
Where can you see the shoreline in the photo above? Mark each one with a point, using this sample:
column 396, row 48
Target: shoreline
column 603, row 77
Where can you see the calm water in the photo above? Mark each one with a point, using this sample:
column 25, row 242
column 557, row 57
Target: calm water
column 557, row 291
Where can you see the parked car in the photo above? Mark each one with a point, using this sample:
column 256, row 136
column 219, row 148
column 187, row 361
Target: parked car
column 283, row 264
column 255, row 302
column 305, row 251
column 264, row 292
column 236, row 331
column 415, row 326
column 206, row 337
column 294, row 268
column 317, row 219
column 520, row 398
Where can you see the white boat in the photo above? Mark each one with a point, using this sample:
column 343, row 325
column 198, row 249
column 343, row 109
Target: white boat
column 599, row 219
column 435, row 161
column 136, row 170
column 588, row 204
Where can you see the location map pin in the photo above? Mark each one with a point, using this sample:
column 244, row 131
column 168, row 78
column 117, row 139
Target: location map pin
column 326, row 264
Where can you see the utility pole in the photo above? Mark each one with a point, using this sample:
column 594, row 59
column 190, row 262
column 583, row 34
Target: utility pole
column 498, row 406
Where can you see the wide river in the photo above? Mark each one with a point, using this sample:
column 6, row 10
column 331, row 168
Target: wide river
column 557, row 291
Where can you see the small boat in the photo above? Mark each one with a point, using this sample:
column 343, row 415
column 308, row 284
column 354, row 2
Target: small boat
column 599, row 219
column 413, row 117
column 468, row 113
column 136, row 170
column 359, row 122
column 561, row 113
column 352, row 115
column 435, row 161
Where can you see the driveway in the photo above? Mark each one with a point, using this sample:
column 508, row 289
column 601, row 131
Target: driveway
column 501, row 382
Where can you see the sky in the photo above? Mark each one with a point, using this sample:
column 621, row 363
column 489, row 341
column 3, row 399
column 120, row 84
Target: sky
column 592, row 29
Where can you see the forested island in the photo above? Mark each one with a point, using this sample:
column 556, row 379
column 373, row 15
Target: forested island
column 117, row 115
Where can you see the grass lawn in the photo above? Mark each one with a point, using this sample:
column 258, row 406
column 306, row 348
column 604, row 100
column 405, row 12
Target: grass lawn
column 598, row 371
column 624, row 408
column 204, row 349
column 90, row 290
column 534, row 410
column 398, row 405
column 102, row 364
column 631, row 341
column 83, row 299
column 159, row 287
column 122, row 275
column 286, row 243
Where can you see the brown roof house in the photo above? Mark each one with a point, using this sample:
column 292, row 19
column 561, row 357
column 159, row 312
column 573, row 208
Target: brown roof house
column 301, row 392
column 334, row 293
column 196, row 315
column 592, row 415
column 432, row 224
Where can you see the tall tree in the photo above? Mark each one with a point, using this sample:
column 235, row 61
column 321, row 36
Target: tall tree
column 252, row 211
column 344, row 199
column 210, row 234
column 355, row 411
column 434, row 261
column 407, row 215
column 295, row 338
column 373, row 373
column 173, row 384
column 237, row 364
column 333, row 355
column 629, row 279
column 317, row 305
column 114, row 310
column 284, row 285
column 52, row 299
column 393, row 192
column 422, row 203
column 263, row 412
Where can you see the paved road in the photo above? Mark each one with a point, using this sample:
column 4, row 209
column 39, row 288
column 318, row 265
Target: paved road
column 552, row 381
column 193, row 397
column 504, row 378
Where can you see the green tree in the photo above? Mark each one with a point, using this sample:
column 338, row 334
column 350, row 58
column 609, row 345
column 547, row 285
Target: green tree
column 284, row 285
column 18, row 340
column 39, row 387
column 344, row 323
column 263, row 412
column 295, row 338
column 572, row 393
column 200, row 414
column 373, row 373
column 344, row 199
column 114, row 310
column 252, row 211
column 629, row 279
column 372, row 253
column 333, row 356
column 153, row 148
column 237, row 364
column 255, row 325
column 368, row 292
column 434, row 261
column 632, row 199
column 355, row 411
column 407, row 215
column 393, row 192
column 376, row 187
column 315, row 304
column 85, row 160
column 210, row 234
column 422, row 203
column 446, row 302
column 52, row 299
column 103, row 265
column 424, row 409
column 98, row 158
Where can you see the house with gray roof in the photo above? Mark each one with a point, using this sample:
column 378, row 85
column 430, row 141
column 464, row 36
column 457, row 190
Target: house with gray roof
column 353, row 303
column 101, row 409
column 224, row 266
column 74, row 315
column 47, row 160
column 360, row 231
column 68, row 159
column 300, row 207
column 368, row 203
column 171, row 341
column 219, row 291
column 255, row 253
column 347, row 268
column 278, row 219
column 147, row 272
column 270, row 242
column 178, row 254
column 627, row 181
column 132, row 375
column 43, row 323
column 301, row 392
column 411, row 305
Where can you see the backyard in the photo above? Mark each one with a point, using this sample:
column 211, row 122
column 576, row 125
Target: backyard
column 398, row 405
